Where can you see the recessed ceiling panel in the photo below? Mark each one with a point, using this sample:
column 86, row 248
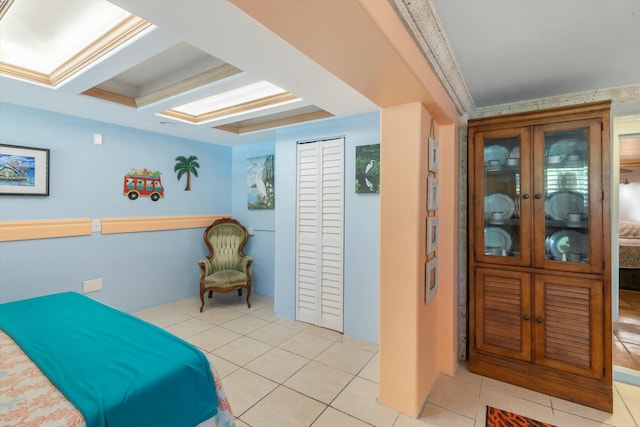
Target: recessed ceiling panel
column 285, row 118
column 170, row 66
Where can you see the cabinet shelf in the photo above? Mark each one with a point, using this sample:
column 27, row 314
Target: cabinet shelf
column 502, row 169
column 509, row 221
column 569, row 164
column 552, row 223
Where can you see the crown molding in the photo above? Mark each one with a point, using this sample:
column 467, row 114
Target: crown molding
column 286, row 121
column 421, row 21
column 423, row 24
column 620, row 96
column 4, row 6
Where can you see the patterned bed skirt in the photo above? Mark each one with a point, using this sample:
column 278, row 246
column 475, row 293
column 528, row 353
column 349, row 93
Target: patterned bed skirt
column 29, row 399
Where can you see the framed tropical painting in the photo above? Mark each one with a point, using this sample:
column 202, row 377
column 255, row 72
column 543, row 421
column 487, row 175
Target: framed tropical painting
column 24, row 171
column 260, row 182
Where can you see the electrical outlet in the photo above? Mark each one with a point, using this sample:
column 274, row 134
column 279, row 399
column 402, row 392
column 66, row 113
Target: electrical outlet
column 91, row 285
column 96, row 225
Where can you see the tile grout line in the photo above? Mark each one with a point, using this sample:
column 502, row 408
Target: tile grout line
column 171, row 310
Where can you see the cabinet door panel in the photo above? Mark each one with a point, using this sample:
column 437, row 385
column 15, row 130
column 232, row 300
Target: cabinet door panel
column 502, row 313
column 569, row 324
column 501, row 200
column 568, row 196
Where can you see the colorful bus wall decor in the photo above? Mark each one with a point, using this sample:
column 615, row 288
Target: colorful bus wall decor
column 143, row 182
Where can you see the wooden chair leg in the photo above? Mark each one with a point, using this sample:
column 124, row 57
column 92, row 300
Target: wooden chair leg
column 202, row 300
column 239, row 292
column 210, row 294
column 248, row 295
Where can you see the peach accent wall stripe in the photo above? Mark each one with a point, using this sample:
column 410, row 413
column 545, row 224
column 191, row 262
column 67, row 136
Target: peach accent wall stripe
column 44, row 229
column 157, row 223
column 50, row 228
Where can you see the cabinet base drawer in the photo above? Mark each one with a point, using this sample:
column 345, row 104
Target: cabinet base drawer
column 585, row 391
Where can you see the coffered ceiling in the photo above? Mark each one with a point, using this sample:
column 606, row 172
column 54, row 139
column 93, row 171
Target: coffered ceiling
column 195, row 75
column 176, row 67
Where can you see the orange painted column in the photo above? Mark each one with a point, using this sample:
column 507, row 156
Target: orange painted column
column 448, row 248
column 417, row 339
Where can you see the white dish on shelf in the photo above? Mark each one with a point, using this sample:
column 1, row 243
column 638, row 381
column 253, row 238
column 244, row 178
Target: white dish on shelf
column 495, row 237
column 566, row 147
column 558, row 205
column 499, row 202
column 495, row 155
column 556, row 159
column 565, row 241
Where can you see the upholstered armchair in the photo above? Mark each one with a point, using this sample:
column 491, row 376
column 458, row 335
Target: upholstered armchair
column 226, row 268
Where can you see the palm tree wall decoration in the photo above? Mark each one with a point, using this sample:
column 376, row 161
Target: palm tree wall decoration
column 186, row 165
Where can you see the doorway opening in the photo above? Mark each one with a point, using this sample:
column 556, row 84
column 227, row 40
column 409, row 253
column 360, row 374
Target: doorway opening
column 626, row 326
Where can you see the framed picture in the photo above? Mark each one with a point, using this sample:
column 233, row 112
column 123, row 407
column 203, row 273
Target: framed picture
column 433, row 193
column 260, row 182
column 431, row 279
column 24, row 171
column 433, row 233
column 368, row 168
column 434, row 155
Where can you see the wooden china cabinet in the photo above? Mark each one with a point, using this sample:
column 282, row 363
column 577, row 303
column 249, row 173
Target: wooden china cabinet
column 539, row 251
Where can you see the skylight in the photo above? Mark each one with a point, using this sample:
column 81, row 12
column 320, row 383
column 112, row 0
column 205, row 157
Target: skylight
column 47, row 42
column 253, row 97
column 233, row 97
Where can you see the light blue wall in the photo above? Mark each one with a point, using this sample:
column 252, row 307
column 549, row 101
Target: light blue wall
column 362, row 219
column 139, row 270
column 261, row 244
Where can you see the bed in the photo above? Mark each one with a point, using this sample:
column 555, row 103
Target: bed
column 629, row 255
column 68, row 360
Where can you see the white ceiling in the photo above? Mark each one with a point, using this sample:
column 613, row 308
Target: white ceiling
column 514, row 50
column 507, row 50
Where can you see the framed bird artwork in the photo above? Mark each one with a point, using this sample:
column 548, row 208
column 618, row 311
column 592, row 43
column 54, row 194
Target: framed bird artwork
column 368, row 168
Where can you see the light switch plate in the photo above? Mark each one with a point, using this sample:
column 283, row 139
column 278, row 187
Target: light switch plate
column 91, row 285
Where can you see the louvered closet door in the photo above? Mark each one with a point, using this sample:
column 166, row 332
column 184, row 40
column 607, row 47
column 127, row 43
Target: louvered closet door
column 319, row 244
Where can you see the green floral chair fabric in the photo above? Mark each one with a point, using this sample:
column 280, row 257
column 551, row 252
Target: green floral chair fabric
column 226, row 268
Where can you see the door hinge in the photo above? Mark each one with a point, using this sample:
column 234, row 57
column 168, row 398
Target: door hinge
column 602, row 126
column 603, row 195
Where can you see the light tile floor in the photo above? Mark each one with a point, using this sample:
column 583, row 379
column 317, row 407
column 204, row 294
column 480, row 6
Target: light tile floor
column 283, row 373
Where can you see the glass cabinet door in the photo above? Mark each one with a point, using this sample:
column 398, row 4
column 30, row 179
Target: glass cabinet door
column 502, row 184
column 564, row 193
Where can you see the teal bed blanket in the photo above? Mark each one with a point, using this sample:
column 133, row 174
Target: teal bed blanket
column 118, row 370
